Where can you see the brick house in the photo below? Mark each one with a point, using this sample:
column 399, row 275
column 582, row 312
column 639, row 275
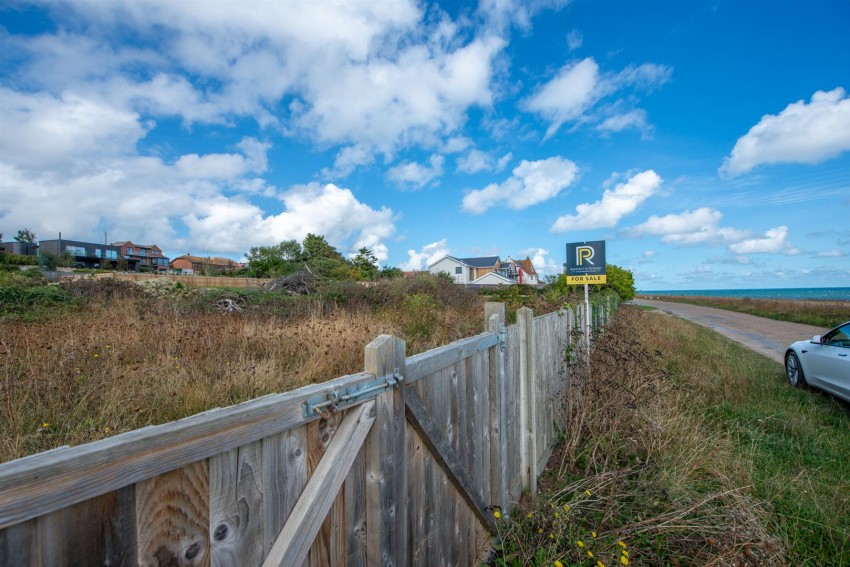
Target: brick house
column 197, row 265
column 143, row 256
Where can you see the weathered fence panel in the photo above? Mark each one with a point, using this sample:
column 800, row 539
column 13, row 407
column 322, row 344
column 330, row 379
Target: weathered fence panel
column 402, row 464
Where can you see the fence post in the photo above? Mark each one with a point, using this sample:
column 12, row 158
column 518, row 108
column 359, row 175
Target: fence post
column 494, row 318
column 385, row 457
column 528, row 398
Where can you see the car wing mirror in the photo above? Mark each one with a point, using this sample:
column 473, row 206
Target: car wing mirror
column 816, row 339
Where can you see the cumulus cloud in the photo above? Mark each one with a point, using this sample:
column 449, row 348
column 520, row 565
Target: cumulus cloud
column 427, row 255
column 774, row 241
column 531, row 182
column 381, row 76
column 636, row 119
column 476, row 161
column 702, row 226
column 689, row 227
column 412, row 175
column 802, row 133
column 615, row 203
column 542, row 262
column 579, row 85
column 501, row 14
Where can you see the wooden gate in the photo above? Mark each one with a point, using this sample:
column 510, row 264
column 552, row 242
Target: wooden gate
column 403, row 464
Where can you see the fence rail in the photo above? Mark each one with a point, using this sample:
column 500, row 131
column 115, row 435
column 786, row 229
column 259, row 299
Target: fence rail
column 402, row 464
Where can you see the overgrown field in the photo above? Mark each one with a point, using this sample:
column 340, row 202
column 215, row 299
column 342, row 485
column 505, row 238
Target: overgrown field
column 810, row 312
column 89, row 359
column 684, row 448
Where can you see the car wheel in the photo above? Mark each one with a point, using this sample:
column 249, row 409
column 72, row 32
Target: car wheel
column 793, row 370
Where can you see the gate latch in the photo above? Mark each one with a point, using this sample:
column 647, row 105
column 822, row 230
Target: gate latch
column 329, row 403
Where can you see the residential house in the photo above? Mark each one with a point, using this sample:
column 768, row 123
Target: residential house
column 487, row 270
column 84, row 254
column 147, row 257
column 196, row 265
column 20, row 248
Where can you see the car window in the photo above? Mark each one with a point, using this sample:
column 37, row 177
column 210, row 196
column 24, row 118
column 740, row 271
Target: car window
column 838, row 337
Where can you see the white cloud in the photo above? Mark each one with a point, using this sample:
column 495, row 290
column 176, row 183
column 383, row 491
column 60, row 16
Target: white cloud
column 380, row 75
column 230, row 224
column 689, row 227
column 571, row 95
column 802, row 133
column 532, row 182
column 501, row 14
column 575, row 39
column 775, row 241
column 542, row 262
column 636, row 119
column 476, row 161
column 348, row 159
column 834, row 253
column 616, row 203
column 429, row 254
column 413, row 175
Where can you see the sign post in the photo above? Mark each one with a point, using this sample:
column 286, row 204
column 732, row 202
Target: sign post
column 586, row 265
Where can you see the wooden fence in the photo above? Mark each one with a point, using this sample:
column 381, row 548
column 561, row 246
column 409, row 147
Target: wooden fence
column 190, row 281
column 402, row 464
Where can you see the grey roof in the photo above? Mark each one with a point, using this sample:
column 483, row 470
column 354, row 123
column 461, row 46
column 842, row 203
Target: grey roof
column 483, row 262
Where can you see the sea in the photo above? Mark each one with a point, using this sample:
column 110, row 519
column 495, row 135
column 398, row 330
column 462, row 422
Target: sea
column 822, row 293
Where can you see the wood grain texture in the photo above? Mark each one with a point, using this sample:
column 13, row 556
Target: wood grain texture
column 386, row 473
column 427, row 363
column 295, row 540
column 354, row 490
column 100, row 531
column 236, row 507
column 327, row 547
column 40, row 484
column 442, row 452
column 284, row 479
column 172, row 518
column 18, row 544
column 497, row 421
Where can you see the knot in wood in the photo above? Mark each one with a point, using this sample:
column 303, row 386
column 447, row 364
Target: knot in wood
column 221, row 531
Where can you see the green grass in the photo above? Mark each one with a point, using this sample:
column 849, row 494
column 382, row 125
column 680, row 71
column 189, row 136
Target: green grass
column 694, row 451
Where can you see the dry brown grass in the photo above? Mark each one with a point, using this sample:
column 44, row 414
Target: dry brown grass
column 810, row 312
column 130, row 362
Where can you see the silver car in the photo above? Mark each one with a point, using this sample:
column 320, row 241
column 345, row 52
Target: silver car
column 822, row 362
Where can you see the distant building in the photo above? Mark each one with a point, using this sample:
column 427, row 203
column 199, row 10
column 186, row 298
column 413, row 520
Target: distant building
column 198, row 265
column 84, row 254
column 21, row 248
column 143, row 256
column 487, row 270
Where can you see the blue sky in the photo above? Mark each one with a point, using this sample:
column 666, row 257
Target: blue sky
column 708, row 143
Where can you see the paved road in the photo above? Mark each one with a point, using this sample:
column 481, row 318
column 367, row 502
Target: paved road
column 765, row 336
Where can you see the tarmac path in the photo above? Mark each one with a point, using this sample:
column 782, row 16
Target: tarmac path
column 765, row 336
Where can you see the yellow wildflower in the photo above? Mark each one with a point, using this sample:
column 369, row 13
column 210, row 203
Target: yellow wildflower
column 624, row 560
column 557, row 515
column 566, row 507
column 580, row 543
column 529, row 515
column 593, row 534
column 551, row 536
column 540, row 531
column 590, row 554
column 587, row 492
column 558, row 563
column 621, row 544
column 625, row 553
column 45, row 425
column 96, row 355
column 497, row 515
column 600, row 564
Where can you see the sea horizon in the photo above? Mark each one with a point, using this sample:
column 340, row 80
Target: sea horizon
column 817, row 293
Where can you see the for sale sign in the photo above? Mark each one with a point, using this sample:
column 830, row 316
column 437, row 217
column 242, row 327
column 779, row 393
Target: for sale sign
column 586, row 262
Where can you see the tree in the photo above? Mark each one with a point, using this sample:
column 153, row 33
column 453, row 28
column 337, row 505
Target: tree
column 275, row 261
column 25, row 235
column 316, row 246
column 620, row 281
column 366, row 262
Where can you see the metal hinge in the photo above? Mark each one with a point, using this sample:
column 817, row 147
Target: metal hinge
column 327, row 404
column 503, row 331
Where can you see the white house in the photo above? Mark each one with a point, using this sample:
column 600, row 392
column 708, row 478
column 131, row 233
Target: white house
column 486, row 270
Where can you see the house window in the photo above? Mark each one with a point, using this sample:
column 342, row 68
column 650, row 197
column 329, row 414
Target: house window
column 459, row 270
column 129, row 250
column 76, row 250
column 112, row 254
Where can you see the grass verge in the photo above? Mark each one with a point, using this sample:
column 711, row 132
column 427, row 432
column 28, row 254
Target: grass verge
column 684, row 448
column 825, row 314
